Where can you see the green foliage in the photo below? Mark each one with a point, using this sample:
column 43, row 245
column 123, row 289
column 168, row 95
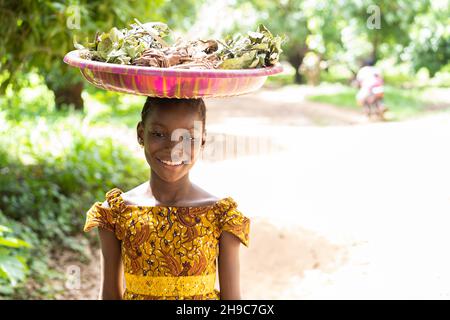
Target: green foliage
column 430, row 32
column 34, row 270
column 279, row 80
column 13, row 267
column 37, row 34
column 307, row 25
column 125, row 45
column 257, row 49
column 52, row 172
column 442, row 77
column 32, row 100
column 341, row 33
column 179, row 14
column 52, row 168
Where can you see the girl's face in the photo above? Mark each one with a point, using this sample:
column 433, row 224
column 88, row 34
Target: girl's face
column 173, row 137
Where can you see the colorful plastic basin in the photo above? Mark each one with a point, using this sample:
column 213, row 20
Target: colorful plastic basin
column 171, row 83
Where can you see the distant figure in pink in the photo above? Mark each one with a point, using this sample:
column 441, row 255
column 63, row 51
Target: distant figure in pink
column 371, row 92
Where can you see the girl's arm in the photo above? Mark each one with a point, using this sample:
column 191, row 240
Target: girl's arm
column 112, row 269
column 229, row 267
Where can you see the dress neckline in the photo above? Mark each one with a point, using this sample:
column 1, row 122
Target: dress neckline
column 212, row 205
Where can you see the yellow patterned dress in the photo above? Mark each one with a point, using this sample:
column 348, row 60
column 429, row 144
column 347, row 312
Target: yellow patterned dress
column 169, row 252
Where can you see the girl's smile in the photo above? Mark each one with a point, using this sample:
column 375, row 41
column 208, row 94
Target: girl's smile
column 170, row 164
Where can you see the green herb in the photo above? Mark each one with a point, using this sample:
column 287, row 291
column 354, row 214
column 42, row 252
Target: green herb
column 143, row 45
column 126, row 45
column 257, row 49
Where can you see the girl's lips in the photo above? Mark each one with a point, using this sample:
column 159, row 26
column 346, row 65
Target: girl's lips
column 170, row 164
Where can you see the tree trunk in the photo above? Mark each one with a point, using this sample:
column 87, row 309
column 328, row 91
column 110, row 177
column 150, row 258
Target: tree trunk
column 68, row 95
column 298, row 78
column 375, row 43
column 296, row 59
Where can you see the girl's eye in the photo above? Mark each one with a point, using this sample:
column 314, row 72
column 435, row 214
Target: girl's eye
column 157, row 134
column 192, row 139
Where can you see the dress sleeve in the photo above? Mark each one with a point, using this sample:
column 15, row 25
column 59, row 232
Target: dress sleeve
column 102, row 217
column 233, row 221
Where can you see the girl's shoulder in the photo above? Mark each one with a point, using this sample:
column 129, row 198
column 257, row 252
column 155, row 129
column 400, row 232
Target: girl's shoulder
column 202, row 197
column 140, row 197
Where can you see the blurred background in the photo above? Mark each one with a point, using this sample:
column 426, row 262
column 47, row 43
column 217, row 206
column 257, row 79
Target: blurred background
column 341, row 206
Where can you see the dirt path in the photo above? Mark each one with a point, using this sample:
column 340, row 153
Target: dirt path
column 340, row 208
column 284, row 106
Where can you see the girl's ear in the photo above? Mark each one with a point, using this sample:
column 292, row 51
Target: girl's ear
column 140, row 133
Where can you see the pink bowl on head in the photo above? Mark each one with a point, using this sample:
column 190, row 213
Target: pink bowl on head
column 171, row 83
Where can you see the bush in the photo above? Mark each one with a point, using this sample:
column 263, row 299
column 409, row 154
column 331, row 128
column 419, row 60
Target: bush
column 51, row 173
column 34, row 99
column 13, row 267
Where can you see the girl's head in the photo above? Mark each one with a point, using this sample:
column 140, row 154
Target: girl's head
column 172, row 133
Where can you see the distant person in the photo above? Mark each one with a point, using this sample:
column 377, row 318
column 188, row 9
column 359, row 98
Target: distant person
column 371, row 92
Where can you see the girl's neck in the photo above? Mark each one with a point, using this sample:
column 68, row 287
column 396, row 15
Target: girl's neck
column 170, row 193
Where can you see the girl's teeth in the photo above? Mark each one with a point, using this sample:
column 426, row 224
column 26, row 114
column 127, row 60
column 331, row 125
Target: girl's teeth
column 170, row 163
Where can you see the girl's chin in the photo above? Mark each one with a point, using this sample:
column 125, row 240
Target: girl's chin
column 171, row 174
column 171, row 178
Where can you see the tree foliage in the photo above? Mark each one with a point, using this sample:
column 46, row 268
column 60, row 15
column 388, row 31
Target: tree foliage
column 36, row 34
column 348, row 31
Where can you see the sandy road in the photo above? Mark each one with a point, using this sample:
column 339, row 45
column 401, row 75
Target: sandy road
column 340, row 208
column 363, row 210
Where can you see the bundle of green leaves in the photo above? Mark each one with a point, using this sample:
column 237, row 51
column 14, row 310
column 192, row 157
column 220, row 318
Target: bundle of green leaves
column 126, row 45
column 255, row 50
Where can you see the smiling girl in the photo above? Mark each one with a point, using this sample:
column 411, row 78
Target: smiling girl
column 164, row 236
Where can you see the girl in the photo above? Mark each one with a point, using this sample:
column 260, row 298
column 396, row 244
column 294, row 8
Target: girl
column 164, row 236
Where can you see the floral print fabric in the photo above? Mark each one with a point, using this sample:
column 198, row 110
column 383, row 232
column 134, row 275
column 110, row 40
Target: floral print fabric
column 169, row 252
